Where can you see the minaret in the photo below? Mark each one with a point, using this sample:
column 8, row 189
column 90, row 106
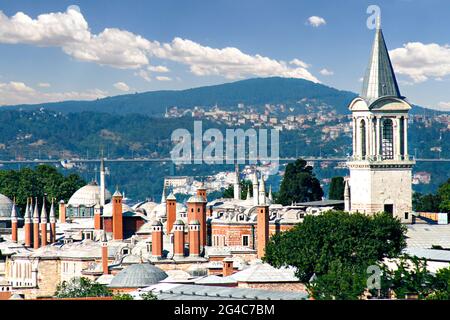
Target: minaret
column 237, row 184
column 255, row 188
column 52, row 223
column 262, row 191
column 14, row 222
column 36, row 225
column 27, row 225
column 270, row 194
column 163, row 196
column 380, row 169
column 102, row 182
column 43, row 224
column 248, row 194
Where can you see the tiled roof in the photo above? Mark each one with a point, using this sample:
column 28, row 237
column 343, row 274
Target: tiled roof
column 263, row 272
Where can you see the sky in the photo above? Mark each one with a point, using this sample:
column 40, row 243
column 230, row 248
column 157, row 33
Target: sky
column 54, row 50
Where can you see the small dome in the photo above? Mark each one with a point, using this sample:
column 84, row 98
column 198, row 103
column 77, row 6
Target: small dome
column 107, row 209
column 88, row 196
column 5, row 206
column 195, row 199
column 138, row 275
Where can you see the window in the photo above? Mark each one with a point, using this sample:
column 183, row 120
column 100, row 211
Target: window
column 245, row 241
column 363, row 138
column 388, row 140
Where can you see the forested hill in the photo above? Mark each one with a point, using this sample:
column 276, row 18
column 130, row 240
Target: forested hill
column 250, row 92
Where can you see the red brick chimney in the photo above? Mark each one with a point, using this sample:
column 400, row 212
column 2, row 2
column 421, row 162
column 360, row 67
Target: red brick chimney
column 43, row 224
column 157, row 240
column 196, row 207
column 178, row 239
column 27, row 225
column 98, row 210
column 194, row 238
column 117, row 217
column 62, row 212
column 14, row 222
column 52, row 223
column 227, row 267
column 201, row 192
column 171, row 212
column 105, row 254
column 36, row 226
column 262, row 229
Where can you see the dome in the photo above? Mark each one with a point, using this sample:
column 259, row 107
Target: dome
column 5, row 206
column 138, row 275
column 147, row 206
column 88, row 196
column 107, row 209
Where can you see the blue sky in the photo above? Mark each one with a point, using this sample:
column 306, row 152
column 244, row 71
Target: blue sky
column 102, row 48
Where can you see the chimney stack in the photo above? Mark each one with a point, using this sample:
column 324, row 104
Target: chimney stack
column 262, row 229
column 36, row 226
column 194, row 238
column 171, row 212
column 157, row 240
column 62, row 212
column 196, row 206
column 27, row 225
column 178, row 239
column 98, row 210
column 117, row 216
column 14, row 222
column 201, row 192
column 52, row 223
column 43, row 224
column 105, row 253
column 227, row 267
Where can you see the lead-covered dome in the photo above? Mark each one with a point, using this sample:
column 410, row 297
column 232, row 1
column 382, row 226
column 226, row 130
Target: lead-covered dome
column 138, row 275
column 6, row 205
column 88, row 196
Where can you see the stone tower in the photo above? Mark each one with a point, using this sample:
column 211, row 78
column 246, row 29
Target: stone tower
column 380, row 168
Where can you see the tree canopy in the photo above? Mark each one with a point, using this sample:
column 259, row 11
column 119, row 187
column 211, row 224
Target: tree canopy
column 43, row 180
column 439, row 202
column 336, row 189
column 299, row 184
column 81, row 288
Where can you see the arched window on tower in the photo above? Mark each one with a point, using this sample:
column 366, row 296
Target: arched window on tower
column 363, row 138
column 388, row 140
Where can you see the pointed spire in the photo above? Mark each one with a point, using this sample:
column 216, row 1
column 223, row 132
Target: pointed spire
column 52, row 212
column 379, row 80
column 43, row 212
column 27, row 210
column 13, row 210
column 270, row 193
column 163, row 197
column 36, row 210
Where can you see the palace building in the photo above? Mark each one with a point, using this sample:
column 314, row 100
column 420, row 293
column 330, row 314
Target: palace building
column 380, row 168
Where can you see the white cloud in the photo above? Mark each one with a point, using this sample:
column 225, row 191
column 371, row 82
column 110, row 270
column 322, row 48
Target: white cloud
column 44, row 85
column 19, row 93
column 316, row 21
column 143, row 74
column 159, row 69
column 122, row 86
column 160, row 78
column 228, row 62
column 444, row 106
column 421, row 62
column 326, row 72
column 122, row 49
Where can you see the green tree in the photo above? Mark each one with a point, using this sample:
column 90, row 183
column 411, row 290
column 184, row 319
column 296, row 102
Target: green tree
column 228, row 193
column 336, row 189
column 441, row 285
column 444, row 195
column 149, row 296
column 81, row 288
column 43, row 180
column 123, row 296
column 409, row 276
column 341, row 282
column 426, row 203
column 299, row 184
column 353, row 239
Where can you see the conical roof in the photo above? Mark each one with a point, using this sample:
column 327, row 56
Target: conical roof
column 379, row 80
